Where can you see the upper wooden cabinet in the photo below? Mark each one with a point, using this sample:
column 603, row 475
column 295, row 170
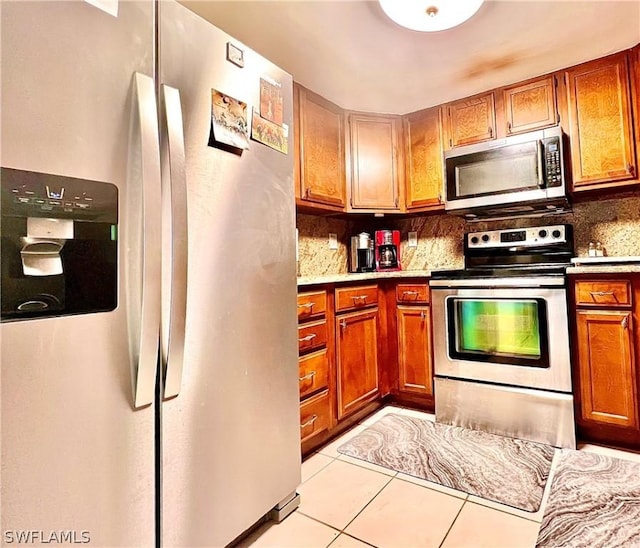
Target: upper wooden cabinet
column 530, row 106
column 424, row 177
column 375, row 164
column 602, row 140
column 470, row 120
column 320, row 147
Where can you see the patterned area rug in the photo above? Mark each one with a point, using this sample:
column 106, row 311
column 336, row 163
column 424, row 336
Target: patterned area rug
column 594, row 501
column 505, row 470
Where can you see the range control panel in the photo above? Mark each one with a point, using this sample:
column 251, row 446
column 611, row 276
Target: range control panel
column 539, row 236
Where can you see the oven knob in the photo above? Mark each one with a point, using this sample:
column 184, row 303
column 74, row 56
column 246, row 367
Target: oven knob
column 556, row 233
column 485, row 237
column 542, row 233
column 474, row 240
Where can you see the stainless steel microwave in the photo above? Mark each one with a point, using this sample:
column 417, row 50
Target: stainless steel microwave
column 519, row 175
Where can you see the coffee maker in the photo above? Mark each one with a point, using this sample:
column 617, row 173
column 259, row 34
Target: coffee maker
column 387, row 250
column 362, row 257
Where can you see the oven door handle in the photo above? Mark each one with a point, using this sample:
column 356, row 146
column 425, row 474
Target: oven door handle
column 489, row 283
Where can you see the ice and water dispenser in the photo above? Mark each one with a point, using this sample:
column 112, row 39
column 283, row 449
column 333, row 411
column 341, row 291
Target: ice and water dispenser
column 59, row 245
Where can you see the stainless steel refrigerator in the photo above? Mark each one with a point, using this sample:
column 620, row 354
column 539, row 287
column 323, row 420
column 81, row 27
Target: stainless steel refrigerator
column 173, row 417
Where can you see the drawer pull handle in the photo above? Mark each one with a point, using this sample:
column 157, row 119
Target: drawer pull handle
column 410, row 294
column 343, row 324
column 308, row 376
column 308, row 338
column 308, row 306
column 422, row 315
column 625, row 322
column 309, row 422
column 601, row 293
column 362, row 298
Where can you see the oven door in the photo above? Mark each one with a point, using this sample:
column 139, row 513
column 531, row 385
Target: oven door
column 509, row 336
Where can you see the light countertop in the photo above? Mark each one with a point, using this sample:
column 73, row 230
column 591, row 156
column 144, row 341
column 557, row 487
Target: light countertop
column 604, row 268
column 358, row 277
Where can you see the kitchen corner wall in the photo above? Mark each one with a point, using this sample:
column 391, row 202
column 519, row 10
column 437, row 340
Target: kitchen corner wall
column 613, row 222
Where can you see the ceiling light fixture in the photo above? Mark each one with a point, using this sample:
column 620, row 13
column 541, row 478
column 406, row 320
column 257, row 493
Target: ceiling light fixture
column 430, row 15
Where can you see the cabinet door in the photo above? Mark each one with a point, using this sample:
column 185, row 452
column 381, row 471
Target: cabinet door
column 425, row 171
column 414, row 349
column 471, row 120
column 606, row 368
column 530, row 106
column 375, row 178
column 602, row 147
column 322, row 159
column 357, row 353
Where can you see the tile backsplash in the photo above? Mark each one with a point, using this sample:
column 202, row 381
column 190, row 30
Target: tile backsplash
column 613, row 222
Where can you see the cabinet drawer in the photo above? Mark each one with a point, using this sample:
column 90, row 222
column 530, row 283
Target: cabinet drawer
column 314, row 372
column 603, row 292
column 312, row 335
column 350, row 298
column 412, row 293
column 312, row 304
column 314, row 416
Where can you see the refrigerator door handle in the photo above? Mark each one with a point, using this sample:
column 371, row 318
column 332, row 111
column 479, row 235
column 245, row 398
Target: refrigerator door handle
column 144, row 242
column 174, row 281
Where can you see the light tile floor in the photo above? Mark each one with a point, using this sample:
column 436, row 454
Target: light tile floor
column 347, row 503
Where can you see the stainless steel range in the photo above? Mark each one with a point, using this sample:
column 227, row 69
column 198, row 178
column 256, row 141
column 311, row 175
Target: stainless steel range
column 501, row 336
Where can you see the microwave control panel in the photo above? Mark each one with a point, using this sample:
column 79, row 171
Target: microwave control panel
column 553, row 164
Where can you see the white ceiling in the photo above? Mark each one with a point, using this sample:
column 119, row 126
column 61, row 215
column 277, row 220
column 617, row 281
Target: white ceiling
column 352, row 54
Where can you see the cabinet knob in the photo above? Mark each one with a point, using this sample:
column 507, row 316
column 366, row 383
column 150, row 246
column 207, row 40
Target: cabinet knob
column 422, row 315
column 625, row 322
column 490, row 129
column 508, row 127
column 343, row 324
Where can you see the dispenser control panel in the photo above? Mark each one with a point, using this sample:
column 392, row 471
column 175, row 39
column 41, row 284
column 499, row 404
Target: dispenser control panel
column 32, row 194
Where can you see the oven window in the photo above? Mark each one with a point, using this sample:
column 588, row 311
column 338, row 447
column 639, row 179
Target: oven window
column 507, row 331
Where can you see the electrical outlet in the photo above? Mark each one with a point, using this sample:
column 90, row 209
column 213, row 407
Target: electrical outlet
column 412, row 239
column 333, row 241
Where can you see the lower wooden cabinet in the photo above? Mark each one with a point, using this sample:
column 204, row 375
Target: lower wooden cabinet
column 607, row 344
column 415, row 371
column 357, row 360
column 315, row 415
column 606, row 369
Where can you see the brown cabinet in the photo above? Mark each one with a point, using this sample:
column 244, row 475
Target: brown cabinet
column 314, row 416
column 375, row 166
column 530, row 106
column 320, row 146
column 602, row 141
column 314, row 364
column 356, row 359
column 413, row 337
column 424, row 177
column 607, row 343
column 605, row 367
column 470, row 120
column 415, row 371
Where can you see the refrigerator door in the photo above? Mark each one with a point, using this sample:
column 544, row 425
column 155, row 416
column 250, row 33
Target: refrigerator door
column 77, row 458
column 231, row 438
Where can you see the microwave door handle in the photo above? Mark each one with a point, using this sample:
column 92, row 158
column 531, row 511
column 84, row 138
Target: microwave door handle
column 540, row 170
